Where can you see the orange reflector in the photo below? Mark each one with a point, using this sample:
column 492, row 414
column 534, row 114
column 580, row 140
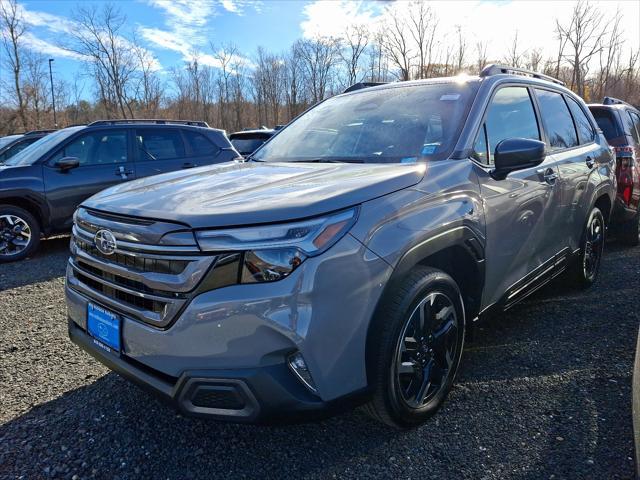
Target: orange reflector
column 328, row 233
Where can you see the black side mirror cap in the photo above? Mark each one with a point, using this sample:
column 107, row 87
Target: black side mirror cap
column 514, row 154
column 67, row 163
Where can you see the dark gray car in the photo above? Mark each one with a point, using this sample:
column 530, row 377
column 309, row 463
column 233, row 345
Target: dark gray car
column 347, row 261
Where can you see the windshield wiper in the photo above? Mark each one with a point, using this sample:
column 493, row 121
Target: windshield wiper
column 329, row 160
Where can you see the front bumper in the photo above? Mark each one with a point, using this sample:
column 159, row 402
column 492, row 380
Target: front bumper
column 248, row 395
column 231, row 344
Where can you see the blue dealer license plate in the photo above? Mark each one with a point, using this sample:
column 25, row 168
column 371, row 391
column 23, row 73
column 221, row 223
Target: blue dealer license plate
column 104, row 326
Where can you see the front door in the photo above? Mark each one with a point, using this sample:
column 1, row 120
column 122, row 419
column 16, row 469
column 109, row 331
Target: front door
column 104, row 160
column 516, row 208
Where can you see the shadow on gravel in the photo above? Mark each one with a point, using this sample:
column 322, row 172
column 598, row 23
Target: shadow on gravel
column 50, row 261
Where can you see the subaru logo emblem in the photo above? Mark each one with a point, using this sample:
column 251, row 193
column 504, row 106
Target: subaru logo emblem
column 105, row 242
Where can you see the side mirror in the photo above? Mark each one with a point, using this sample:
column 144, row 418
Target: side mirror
column 514, row 154
column 67, row 163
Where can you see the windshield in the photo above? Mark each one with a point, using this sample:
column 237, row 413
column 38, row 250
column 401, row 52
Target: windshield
column 37, row 149
column 7, row 140
column 399, row 124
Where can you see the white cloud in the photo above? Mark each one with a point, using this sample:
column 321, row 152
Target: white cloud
column 188, row 30
column 38, row 45
column 330, row 18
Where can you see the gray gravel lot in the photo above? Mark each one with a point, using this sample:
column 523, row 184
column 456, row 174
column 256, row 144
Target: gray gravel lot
column 544, row 392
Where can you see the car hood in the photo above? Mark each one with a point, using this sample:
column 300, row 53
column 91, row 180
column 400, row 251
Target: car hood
column 233, row 194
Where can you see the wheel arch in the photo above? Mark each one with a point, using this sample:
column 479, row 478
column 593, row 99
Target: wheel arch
column 459, row 252
column 30, row 206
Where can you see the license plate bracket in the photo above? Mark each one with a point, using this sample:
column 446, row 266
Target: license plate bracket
column 104, row 326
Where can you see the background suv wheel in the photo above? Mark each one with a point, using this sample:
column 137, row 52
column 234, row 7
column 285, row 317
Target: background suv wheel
column 417, row 349
column 19, row 233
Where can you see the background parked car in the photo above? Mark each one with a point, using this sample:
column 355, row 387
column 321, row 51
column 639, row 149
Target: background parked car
column 41, row 186
column 14, row 144
column 247, row 141
column 620, row 123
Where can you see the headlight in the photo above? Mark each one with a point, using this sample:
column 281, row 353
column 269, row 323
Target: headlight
column 271, row 252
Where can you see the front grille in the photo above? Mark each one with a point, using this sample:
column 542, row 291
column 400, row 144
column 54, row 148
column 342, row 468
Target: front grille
column 122, row 296
column 144, row 281
column 136, row 262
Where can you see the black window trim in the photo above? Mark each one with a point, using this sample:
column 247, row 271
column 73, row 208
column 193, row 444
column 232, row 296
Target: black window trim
column 482, row 127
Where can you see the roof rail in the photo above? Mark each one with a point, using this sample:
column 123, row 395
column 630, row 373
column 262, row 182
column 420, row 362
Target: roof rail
column 158, row 121
column 614, row 101
column 34, row 132
column 494, row 69
column 361, row 85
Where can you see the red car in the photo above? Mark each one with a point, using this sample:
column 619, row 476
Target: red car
column 620, row 123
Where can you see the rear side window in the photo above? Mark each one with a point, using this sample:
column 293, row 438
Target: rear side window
column 634, row 126
column 510, row 115
column 561, row 132
column 200, row 145
column 583, row 125
column 159, row 144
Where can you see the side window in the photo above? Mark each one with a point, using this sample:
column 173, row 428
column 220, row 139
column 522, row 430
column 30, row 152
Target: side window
column 585, row 129
column 97, row 148
column 510, row 115
column 561, row 131
column 11, row 151
column 634, row 126
column 200, row 145
column 159, row 144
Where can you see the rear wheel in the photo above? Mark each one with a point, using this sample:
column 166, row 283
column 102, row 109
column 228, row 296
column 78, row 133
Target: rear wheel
column 630, row 231
column 585, row 270
column 417, row 350
column 19, row 233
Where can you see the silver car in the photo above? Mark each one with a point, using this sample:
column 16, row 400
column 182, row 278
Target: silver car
column 344, row 262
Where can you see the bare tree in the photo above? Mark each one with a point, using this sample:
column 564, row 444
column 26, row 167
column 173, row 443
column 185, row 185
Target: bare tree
column 149, row 88
column 422, row 27
column 14, row 28
column 481, row 51
column 514, row 56
column 585, row 35
column 318, row 58
column 534, row 59
column 395, row 43
column 461, row 50
column 355, row 39
column 96, row 35
column 609, row 56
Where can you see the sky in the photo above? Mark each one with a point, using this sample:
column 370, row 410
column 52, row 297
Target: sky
column 172, row 30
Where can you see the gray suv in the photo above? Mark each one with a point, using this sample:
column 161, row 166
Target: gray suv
column 344, row 262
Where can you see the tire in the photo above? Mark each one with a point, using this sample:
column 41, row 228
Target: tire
column 19, row 233
column 584, row 271
column 399, row 359
column 630, row 231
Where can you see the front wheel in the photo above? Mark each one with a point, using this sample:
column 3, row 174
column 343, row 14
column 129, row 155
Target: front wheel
column 19, row 233
column 584, row 272
column 417, row 349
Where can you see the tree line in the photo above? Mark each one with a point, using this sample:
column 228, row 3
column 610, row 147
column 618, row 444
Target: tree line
column 230, row 90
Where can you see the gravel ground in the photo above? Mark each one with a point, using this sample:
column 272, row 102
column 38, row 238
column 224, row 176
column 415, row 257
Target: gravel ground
column 544, row 392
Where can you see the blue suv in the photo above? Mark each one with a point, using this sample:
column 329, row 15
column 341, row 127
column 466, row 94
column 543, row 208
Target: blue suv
column 41, row 186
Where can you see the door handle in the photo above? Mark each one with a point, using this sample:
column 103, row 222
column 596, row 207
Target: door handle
column 123, row 173
column 590, row 162
column 548, row 174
